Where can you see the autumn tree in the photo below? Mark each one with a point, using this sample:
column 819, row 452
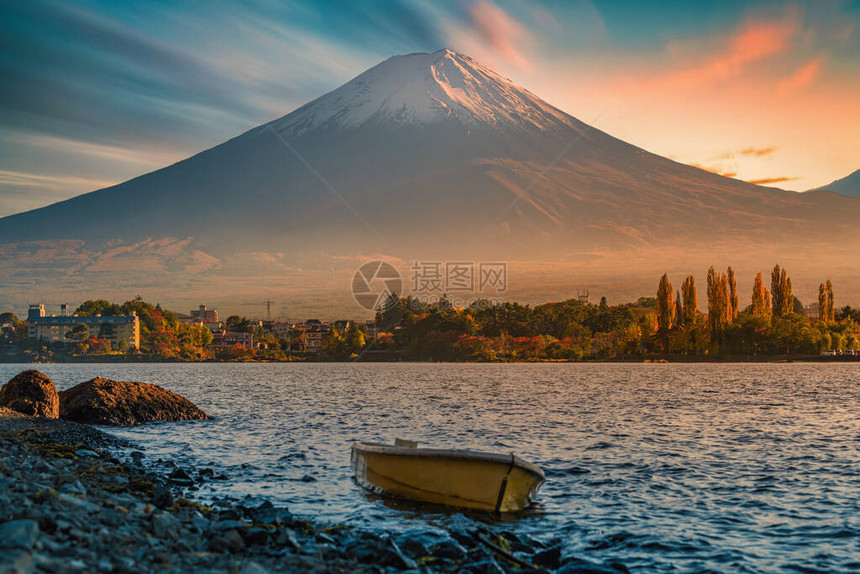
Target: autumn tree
column 665, row 305
column 690, row 300
column 780, row 292
column 719, row 311
column 679, row 309
column 826, row 313
column 760, row 299
column 733, row 293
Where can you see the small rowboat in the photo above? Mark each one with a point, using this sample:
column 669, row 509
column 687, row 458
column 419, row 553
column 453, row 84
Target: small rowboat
column 464, row 478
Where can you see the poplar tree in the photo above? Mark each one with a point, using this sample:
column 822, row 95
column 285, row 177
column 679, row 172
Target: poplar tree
column 679, row 309
column 780, row 290
column 831, row 315
column 691, row 301
column 665, row 305
column 719, row 313
column 760, row 299
column 733, row 295
column 822, row 303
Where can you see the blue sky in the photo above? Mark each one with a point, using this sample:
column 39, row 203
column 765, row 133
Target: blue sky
column 94, row 93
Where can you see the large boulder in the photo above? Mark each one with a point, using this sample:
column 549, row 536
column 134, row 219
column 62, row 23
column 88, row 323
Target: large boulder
column 122, row 403
column 31, row 393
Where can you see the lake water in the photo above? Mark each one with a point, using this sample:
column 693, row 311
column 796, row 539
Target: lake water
column 664, row 467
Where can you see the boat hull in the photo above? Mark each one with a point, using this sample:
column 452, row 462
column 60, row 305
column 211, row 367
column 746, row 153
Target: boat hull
column 467, row 479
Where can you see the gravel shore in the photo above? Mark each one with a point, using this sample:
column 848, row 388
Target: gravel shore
column 67, row 504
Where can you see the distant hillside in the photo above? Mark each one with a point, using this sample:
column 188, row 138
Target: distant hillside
column 849, row 185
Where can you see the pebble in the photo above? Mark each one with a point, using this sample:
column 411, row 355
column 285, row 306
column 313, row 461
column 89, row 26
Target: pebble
column 20, row 534
column 86, row 452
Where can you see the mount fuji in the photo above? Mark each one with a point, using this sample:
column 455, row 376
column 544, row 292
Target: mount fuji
column 422, row 157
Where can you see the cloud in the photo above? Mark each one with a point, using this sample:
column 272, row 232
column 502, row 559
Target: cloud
column 770, row 180
column 714, row 169
column 504, row 34
column 748, row 152
column 803, row 76
column 756, row 41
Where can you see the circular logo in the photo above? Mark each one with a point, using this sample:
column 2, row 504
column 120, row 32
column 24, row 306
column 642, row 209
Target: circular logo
column 373, row 284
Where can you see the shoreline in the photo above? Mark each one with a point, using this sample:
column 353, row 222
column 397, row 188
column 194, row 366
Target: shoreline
column 124, row 359
column 68, row 504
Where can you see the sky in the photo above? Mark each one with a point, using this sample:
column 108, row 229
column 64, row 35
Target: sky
column 93, row 93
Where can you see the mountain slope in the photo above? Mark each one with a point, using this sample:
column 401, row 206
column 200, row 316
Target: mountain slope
column 848, row 185
column 425, row 156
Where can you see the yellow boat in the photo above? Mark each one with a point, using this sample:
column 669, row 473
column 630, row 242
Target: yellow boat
column 464, row 478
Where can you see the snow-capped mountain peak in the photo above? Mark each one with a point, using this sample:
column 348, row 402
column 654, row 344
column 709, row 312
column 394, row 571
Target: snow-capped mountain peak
column 426, row 88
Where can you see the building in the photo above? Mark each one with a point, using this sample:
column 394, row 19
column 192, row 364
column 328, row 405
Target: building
column 227, row 339
column 53, row 328
column 204, row 315
column 313, row 332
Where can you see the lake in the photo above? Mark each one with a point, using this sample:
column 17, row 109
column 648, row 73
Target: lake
column 663, row 467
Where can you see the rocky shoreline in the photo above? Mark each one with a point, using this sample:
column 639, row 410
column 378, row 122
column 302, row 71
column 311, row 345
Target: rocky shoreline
column 68, row 504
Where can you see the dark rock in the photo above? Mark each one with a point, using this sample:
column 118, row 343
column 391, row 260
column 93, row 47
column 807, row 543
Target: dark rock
column 85, row 452
column 19, row 534
column 180, row 478
column 449, row 549
column 31, row 393
column 287, row 538
column 256, row 535
column 162, row 496
column 230, row 541
column 165, row 526
column 206, row 473
column 391, row 555
column 179, row 473
column 549, row 558
column 414, row 548
column 122, row 403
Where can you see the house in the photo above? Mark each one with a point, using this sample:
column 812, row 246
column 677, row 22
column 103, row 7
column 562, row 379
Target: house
column 313, row 332
column 226, row 339
column 53, row 328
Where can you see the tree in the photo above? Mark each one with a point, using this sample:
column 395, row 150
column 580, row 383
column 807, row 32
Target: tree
column 780, row 290
column 831, row 315
column 733, row 294
column 679, row 309
column 78, row 333
column 823, row 315
column 691, row 301
column 760, row 299
column 665, row 305
column 719, row 311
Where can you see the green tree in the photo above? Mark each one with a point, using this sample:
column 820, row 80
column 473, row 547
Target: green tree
column 79, row 333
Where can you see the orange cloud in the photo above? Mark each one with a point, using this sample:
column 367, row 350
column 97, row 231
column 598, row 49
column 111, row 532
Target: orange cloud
column 801, row 77
column 715, row 170
column 748, row 152
column 769, row 180
column 502, row 32
column 755, row 42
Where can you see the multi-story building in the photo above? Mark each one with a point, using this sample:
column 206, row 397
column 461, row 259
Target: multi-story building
column 54, row 328
column 205, row 315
